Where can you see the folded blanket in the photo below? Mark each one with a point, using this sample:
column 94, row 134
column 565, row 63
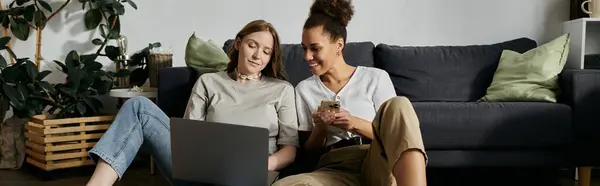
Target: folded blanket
column 205, row 56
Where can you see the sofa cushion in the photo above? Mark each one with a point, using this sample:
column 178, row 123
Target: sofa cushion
column 532, row 76
column 355, row 53
column 444, row 73
column 494, row 125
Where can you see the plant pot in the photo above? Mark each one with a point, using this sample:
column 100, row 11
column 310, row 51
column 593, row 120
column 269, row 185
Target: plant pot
column 63, row 143
column 12, row 143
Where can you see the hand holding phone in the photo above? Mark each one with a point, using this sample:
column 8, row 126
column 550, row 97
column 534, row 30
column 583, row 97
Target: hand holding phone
column 333, row 106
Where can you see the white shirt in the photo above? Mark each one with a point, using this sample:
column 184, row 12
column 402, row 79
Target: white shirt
column 362, row 96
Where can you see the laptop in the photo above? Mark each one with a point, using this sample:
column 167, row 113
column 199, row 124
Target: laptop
column 211, row 153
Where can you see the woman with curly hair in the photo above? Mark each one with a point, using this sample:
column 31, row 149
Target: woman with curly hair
column 369, row 109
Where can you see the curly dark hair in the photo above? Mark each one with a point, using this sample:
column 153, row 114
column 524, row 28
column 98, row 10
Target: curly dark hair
column 333, row 15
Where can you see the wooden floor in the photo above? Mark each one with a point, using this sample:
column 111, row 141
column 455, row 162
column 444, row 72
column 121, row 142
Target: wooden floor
column 139, row 174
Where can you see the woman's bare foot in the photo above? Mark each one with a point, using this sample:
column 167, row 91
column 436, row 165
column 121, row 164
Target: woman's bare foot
column 104, row 175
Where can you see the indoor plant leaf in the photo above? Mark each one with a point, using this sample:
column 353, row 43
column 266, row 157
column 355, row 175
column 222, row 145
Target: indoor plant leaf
column 45, row 5
column 31, row 70
column 81, row 108
column 4, row 40
column 3, row 62
column 92, row 18
column 63, row 67
column 132, row 4
column 43, row 75
column 29, row 11
column 72, row 59
column 20, row 28
column 40, row 19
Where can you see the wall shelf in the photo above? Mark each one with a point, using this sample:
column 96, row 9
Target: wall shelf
column 585, row 43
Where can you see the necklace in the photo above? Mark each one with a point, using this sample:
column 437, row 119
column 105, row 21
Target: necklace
column 247, row 77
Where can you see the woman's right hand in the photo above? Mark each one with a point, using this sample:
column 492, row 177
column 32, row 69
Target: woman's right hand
column 323, row 118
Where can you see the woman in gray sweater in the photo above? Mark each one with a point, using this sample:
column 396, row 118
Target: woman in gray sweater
column 253, row 89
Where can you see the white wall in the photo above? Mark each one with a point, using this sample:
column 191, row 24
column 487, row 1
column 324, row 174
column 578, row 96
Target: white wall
column 402, row 22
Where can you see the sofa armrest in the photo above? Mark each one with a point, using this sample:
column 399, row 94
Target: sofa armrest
column 174, row 87
column 581, row 90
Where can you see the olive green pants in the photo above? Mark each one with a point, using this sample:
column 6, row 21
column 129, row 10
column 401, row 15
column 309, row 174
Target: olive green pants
column 395, row 129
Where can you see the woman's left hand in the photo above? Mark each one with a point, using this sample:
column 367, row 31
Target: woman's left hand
column 344, row 120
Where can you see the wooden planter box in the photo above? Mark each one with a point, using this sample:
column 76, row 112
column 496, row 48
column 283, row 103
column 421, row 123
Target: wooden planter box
column 63, row 143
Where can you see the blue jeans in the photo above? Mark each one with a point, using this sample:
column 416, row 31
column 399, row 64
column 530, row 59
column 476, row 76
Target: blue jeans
column 138, row 122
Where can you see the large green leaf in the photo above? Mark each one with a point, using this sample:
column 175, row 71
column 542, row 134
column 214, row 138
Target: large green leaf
column 118, row 9
column 103, row 30
column 47, row 87
column 92, row 18
column 40, row 19
column 88, row 58
column 74, row 77
column 93, row 66
column 63, row 67
column 68, row 92
column 72, row 59
column 31, row 70
column 21, row 2
column 81, row 108
column 29, row 11
column 5, row 21
column 45, row 5
column 15, row 97
column 97, row 41
column 86, row 83
column 20, row 28
column 10, row 75
column 4, row 40
column 23, row 92
column 132, row 4
column 111, row 52
column 43, row 75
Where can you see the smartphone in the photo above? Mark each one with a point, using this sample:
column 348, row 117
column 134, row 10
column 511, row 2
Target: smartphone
column 330, row 105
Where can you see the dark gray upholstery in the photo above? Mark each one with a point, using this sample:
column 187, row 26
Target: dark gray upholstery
column 444, row 73
column 443, row 82
column 581, row 90
column 496, row 125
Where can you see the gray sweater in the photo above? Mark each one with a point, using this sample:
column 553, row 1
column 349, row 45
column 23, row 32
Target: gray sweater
column 267, row 103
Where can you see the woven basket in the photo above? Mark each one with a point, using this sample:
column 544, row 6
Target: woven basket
column 155, row 63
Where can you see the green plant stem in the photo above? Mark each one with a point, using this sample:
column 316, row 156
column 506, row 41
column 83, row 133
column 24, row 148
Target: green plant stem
column 58, row 10
column 107, row 35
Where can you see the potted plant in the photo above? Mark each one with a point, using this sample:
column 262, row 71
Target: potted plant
column 22, row 90
column 74, row 120
column 63, row 119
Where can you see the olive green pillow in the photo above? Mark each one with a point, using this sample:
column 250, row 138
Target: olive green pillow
column 531, row 76
column 205, row 56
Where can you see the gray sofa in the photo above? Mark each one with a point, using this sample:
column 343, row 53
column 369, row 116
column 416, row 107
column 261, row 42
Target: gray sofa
column 444, row 84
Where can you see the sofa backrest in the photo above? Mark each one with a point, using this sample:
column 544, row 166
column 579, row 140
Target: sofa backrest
column 355, row 53
column 444, row 73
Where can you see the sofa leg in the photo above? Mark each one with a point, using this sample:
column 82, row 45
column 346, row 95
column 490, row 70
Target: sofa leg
column 584, row 176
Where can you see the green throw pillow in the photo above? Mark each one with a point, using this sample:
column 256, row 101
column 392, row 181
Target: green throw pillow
column 531, row 76
column 205, row 56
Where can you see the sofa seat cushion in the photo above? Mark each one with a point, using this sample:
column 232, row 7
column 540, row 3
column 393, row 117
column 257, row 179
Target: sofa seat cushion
column 494, row 125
